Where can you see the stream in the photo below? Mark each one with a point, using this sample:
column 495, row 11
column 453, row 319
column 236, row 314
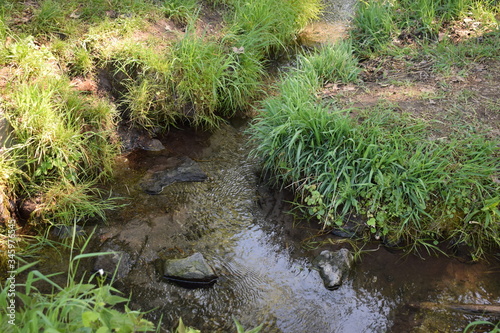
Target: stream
column 263, row 258
column 260, row 252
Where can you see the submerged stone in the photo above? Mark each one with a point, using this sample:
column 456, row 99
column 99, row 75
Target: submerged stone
column 192, row 271
column 352, row 227
column 134, row 138
column 65, row 231
column 118, row 263
column 333, row 267
column 185, row 170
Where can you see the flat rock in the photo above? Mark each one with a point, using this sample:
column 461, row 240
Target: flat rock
column 184, row 170
column 333, row 267
column 192, row 271
column 117, row 264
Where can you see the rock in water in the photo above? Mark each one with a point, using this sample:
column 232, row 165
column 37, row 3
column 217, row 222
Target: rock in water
column 65, row 231
column 333, row 267
column 117, row 264
column 186, row 170
column 191, row 272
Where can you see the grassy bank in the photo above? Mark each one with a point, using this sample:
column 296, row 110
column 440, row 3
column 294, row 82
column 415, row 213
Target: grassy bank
column 70, row 73
column 377, row 162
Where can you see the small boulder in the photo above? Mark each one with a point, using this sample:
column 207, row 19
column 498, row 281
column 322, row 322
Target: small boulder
column 333, row 267
column 185, row 170
column 191, row 272
column 118, row 263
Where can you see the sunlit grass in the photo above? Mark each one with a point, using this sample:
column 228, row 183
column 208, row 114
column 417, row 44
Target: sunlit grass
column 379, row 165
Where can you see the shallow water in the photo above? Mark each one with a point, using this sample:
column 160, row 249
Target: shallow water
column 265, row 275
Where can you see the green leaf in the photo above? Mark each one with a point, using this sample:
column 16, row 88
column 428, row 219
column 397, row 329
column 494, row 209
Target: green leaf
column 51, row 330
column 103, row 329
column 255, row 330
column 239, row 327
column 88, row 317
column 371, row 222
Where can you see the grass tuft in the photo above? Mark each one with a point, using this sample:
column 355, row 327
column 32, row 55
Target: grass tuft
column 380, row 166
column 333, row 63
column 373, row 26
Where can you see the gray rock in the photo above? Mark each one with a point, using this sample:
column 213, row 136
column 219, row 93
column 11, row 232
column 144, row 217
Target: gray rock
column 152, row 145
column 185, row 170
column 118, row 263
column 352, row 227
column 192, row 271
column 135, row 138
column 333, row 267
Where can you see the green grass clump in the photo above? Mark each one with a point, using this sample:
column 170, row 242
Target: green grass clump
column 265, row 27
column 378, row 23
column 242, row 81
column 63, row 144
column 334, row 63
column 381, row 166
column 60, row 134
column 181, row 11
column 199, row 71
column 74, row 307
column 373, row 26
column 425, row 17
column 49, row 18
column 448, row 55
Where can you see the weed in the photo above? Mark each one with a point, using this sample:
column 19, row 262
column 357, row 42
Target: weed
column 241, row 329
column 481, row 324
column 71, row 307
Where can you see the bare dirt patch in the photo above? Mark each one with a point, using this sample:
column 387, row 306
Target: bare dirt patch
column 416, row 89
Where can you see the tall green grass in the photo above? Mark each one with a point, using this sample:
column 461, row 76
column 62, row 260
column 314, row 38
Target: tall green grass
column 77, row 306
column 381, row 166
column 265, row 27
column 181, row 11
column 63, row 143
column 60, row 133
column 373, row 26
column 199, row 69
column 333, row 63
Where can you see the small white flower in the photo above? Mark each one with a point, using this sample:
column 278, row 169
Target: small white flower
column 101, row 272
